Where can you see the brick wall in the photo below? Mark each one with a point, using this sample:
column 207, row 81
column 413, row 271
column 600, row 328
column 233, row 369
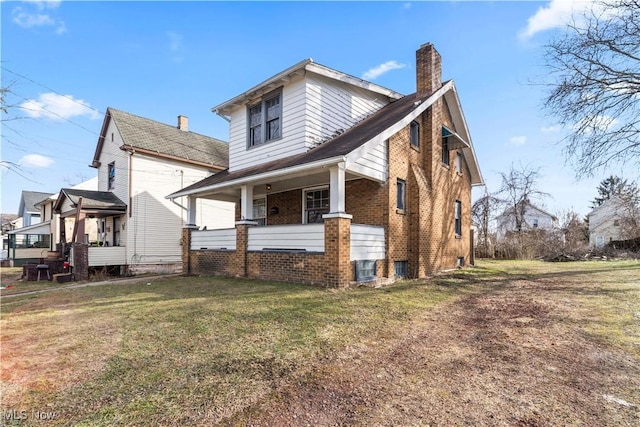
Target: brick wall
column 216, row 262
column 289, row 204
column 296, row 267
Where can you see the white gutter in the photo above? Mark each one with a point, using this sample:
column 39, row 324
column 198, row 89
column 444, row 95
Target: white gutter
column 265, row 175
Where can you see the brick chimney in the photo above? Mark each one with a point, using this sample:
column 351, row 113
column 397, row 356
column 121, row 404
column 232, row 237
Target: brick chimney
column 183, row 123
column 428, row 69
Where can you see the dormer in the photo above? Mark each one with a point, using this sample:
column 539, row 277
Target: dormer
column 295, row 111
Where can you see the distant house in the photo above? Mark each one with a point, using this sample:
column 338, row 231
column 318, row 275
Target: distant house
column 139, row 161
column 340, row 180
column 525, row 216
column 30, row 238
column 609, row 222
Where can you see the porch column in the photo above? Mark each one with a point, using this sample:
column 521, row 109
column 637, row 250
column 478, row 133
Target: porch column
column 246, row 203
column 337, row 189
column 191, row 212
column 337, row 249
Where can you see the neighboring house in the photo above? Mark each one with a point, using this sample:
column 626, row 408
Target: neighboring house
column 30, row 239
column 62, row 227
column 532, row 218
column 607, row 221
column 8, row 224
column 139, row 161
column 338, row 179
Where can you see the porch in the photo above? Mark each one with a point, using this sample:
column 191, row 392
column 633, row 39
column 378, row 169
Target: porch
column 329, row 254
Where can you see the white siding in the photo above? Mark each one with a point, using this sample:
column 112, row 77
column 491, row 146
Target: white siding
column 314, row 108
column 333, row 106
column 373, row 163
column 213, row 239
column 111, row 153
column 112, row 255
column 155, row 229
column 292, row 141
column 367, row 242
column 309, row 237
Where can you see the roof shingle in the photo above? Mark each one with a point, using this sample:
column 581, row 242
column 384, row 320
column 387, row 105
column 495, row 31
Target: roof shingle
column 142, row 133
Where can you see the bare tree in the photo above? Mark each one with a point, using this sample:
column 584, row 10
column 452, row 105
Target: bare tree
column 595, row 86
column 518, row 187
column 483, row 212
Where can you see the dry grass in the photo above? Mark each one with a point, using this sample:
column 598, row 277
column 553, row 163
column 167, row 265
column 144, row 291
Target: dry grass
column 507, row 343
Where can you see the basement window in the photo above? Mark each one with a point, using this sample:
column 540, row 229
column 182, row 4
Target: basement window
column 366, row 270
column 401, row 268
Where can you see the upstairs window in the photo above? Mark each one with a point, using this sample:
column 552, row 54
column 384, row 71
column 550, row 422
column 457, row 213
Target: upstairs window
column 446, row 133
column 535, row 222
column 401, row 194
column 111, row 176
column 459, row 162
column 458, row 219
column 415, row 134
column 265, row 120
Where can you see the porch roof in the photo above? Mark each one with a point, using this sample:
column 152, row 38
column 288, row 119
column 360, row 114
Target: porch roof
column 39, row 228
column 332, row 151
column 99, row 201
column 352, row 143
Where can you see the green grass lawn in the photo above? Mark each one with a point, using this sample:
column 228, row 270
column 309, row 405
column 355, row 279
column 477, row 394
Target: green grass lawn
column 191, row 350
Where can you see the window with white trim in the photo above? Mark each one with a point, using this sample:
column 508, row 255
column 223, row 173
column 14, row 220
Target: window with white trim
column 260, row 211
column 445, row 145
column 265, row 120
column 111, row 171
column 316, row 204
column 415, row 134
column 401, row 194
column 459, row 162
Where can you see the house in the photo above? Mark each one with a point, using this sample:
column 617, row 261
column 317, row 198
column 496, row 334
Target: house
column 62, row 227
column 139, row 161
column 8, row 224
column 611, row 221
column 524, row 216
column 339, row 180
column 29, row 240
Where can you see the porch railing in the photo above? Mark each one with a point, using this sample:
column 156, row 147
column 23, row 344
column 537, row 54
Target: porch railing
column 307, row 237
column 367, row 242
column 213, row 239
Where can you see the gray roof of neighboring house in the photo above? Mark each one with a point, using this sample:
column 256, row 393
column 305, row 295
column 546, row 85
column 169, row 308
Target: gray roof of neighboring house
column 91, row 199
column 165, row 140
column 29, row 199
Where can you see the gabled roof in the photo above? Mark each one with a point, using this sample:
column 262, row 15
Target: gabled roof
column 379, row 126
column 29, row 200
column 162, row 140
column 281, row 78
column 614, row 201
column 528, row 205
column 90, row 199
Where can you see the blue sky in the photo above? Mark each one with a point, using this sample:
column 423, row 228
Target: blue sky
column 66, row 62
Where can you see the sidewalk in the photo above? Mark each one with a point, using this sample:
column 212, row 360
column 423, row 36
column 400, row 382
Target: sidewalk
column 124, row 281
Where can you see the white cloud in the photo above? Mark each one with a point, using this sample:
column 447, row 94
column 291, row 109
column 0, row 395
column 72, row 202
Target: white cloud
column 175, row 41
column 36, row 161
column 381, row 69
column 406, row 5
column 553, row 15
column 28, row 19
column 58, row 107
column 518, row 140
column 550, row 129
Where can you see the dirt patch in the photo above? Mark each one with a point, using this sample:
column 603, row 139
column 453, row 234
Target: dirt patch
column 61, row 351
column 513, row 355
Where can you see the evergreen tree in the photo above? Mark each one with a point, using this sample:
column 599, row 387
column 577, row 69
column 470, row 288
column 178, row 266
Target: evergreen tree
column 615, row 186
